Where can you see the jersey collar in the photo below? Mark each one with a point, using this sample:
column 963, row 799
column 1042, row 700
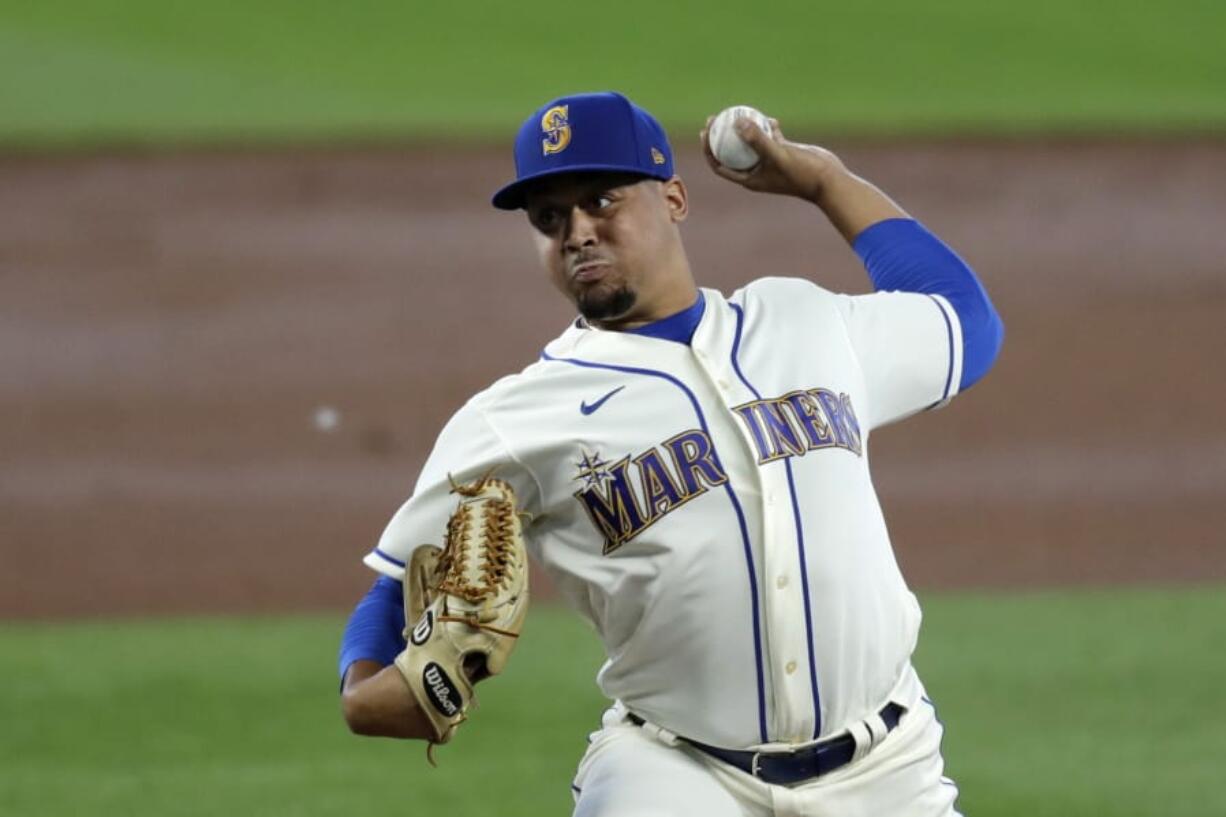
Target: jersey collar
column 678, row 327
column 579, row 338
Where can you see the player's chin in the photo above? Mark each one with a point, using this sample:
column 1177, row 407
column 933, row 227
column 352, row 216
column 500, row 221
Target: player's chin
column 603, row 302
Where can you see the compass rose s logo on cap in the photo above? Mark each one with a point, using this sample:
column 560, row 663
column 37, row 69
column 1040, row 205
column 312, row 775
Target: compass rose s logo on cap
column 556, row 127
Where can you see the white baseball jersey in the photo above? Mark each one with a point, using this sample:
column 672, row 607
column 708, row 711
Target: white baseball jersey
column 709, row 507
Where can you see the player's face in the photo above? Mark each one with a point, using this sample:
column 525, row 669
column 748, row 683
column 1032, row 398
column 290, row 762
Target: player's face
column 610, row 244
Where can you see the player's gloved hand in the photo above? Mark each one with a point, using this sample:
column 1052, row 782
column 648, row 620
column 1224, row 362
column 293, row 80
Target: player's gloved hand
column 464, row 605
column 784, row 167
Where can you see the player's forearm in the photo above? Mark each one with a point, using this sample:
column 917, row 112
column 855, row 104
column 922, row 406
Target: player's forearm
column 375, row 699
column 376, row 703
column 851, row 203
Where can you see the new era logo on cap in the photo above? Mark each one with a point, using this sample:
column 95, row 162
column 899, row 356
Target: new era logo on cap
column 600, row 132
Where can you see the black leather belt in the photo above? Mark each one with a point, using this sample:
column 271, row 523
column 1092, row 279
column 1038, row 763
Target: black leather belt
column 789, row 768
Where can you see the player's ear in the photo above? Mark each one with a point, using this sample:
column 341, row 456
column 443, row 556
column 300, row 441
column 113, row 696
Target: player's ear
column 676, row 198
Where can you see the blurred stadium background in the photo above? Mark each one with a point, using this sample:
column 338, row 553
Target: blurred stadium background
column 248, row 268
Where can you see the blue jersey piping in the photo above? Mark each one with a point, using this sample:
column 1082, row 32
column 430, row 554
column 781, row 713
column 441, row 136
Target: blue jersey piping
column 383, row 555
column 949, row 333
column 800, row 535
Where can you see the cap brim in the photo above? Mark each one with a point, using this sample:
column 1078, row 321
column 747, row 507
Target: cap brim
column 511, row 197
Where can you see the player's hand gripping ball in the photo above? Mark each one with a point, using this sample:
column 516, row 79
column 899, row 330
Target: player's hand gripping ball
column 726, row 146
column 465, row 604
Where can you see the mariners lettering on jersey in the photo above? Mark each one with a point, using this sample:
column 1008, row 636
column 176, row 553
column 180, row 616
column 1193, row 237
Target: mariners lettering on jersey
column 626, row 497
column 801, row 421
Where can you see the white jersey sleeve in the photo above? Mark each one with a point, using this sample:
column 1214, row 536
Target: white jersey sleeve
column 467, row 448
column 909, row 347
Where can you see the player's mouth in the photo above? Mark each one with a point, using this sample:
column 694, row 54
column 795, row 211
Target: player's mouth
column 586, row 272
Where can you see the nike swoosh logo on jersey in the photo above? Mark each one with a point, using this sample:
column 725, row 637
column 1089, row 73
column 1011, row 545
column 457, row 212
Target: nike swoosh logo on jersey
column 586, row 409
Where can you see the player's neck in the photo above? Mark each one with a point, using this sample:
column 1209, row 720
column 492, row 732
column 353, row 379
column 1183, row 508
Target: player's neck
column 665, row 305
column 670, row 290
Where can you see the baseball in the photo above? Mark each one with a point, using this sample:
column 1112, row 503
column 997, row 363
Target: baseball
column 728, row 148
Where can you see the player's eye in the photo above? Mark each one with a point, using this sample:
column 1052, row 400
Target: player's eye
column 545, row 219
column 598, row 202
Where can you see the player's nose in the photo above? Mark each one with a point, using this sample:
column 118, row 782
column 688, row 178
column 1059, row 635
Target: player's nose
column 580, row 229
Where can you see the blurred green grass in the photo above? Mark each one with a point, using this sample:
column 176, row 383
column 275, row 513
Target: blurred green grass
column 1091, row 703
column 84, row 72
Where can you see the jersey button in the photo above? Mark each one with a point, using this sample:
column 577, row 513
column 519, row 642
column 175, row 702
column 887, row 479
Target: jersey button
column 790, row 668
column 723, row 384
column 781, row 582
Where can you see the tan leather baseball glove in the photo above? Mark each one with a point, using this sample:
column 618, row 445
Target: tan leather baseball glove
column 464, row 604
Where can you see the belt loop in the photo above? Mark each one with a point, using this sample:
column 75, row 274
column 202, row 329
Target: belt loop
column 660, row 733
column 877, row 728
column 867, row 734
column 863, row 737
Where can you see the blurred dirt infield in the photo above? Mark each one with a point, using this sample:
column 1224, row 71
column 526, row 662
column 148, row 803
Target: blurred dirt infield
column 178, row 332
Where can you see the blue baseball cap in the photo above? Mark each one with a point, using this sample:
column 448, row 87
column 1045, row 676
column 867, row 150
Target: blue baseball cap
column 586, row 132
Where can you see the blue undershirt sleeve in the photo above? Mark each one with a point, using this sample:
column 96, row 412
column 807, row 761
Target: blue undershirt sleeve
column 900, row 254
column 374, row 632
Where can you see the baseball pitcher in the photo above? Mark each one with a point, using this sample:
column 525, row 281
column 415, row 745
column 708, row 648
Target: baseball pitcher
column 691, row 469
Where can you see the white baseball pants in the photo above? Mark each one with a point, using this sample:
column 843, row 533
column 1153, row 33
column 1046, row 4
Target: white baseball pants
column 627, row 772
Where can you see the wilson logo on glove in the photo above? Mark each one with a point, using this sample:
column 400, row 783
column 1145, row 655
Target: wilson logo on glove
column 441, row 692
column 421, row 633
